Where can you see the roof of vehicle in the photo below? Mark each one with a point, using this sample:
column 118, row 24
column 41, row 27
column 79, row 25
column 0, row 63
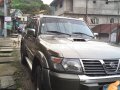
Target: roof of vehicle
column 42, row 16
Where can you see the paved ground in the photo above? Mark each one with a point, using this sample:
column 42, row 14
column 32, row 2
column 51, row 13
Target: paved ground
column 13, row 75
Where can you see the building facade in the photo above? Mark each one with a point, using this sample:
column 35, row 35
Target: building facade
column 94, row 12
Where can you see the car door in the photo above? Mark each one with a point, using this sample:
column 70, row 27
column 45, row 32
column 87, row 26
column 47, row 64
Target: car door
column 32, row 41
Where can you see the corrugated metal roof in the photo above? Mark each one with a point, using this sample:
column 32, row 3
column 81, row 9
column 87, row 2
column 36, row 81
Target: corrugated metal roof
column 1, row 1
column 105, row 28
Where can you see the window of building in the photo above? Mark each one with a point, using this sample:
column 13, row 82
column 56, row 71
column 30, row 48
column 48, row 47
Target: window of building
column 106, row 2
column 56, row 8
column 94, row 1
column 112, row 20
column 95, row 20
column 61, row 3
column 71, row 5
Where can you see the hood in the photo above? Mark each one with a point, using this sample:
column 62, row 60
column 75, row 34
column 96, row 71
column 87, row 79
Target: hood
column 83, row 49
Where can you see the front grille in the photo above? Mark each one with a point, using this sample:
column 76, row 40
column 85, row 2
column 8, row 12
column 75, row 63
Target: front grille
column 118, row 70
column 93, row 68
column 100, row 68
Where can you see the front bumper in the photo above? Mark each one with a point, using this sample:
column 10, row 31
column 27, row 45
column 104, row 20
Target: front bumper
column 102, row 79
column 79, row 82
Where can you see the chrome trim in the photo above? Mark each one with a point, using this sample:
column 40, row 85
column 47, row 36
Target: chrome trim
column 87, row 79
column 91, row 59
column 103, row 65
column 29, row 63
column 82, row 65
column 30, row 51
column 102, row 62
column 118, row 65
column 61, row 17
column 42, row 56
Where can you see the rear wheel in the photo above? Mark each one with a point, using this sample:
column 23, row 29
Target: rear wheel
column 38, row 79
column 23, row 55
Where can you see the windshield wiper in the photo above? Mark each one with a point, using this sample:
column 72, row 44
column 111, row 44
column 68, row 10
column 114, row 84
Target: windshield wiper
column 57, row 32
column 82, row 34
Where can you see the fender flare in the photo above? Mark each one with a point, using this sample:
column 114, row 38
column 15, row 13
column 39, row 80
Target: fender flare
column 41, row 59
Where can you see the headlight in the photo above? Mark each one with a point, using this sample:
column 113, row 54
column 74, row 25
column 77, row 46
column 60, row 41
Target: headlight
column 56, row 62
column 67, row 65
column 72, row 65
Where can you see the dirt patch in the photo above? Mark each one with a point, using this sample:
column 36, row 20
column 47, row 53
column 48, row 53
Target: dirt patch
column 22, row 75
column 7, row 69
column 23, row 78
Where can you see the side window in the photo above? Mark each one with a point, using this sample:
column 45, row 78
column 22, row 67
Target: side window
column 112, row 20
column 32, row 24
column 43, row 27
column 35, row 26
column 29, row 25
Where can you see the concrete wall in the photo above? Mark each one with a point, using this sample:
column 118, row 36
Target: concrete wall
column 67, row 7
column 104, row 19
column 59, row 11
column 100, row 10
column 79, row 6
column 100, row 7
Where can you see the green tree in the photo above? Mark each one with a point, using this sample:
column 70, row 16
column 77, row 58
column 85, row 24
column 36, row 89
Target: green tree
column 30, row 6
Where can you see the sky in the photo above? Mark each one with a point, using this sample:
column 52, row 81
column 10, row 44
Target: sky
column 47, row 1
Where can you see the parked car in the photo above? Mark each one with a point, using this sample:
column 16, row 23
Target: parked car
column 63, row 55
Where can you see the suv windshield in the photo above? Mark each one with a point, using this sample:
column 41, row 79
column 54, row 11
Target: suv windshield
column 63, row 25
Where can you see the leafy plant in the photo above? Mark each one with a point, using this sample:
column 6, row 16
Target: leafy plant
column 29, row 6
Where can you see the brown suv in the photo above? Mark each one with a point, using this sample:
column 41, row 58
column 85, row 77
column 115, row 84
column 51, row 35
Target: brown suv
column 63, row 55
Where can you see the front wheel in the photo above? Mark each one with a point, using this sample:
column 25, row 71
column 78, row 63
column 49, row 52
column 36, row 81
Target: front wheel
column 38, row 79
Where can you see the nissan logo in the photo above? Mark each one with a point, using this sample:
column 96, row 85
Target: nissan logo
column 112, row 65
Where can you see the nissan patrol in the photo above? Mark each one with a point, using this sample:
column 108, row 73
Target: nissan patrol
column 63, row 55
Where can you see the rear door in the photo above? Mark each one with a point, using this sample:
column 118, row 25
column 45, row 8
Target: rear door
column 29, row 41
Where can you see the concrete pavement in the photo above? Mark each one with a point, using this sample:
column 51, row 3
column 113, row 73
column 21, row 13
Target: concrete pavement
column 8, row 57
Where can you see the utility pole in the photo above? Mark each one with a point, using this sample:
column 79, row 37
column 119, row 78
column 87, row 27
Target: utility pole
column 5, row 14
column 118, row 25
column 86, row 16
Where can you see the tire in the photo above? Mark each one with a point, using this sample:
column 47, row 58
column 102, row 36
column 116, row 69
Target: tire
column 23, row 55
column 38, row 79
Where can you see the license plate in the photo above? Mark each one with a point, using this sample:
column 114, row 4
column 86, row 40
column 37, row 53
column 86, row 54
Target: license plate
column 105, row 87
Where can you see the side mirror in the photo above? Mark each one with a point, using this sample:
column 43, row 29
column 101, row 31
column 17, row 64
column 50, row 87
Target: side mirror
column 31, row 32
column 95, row 35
